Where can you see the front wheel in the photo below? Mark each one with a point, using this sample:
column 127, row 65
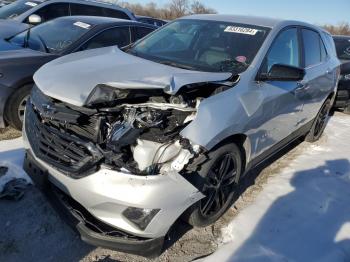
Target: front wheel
column 16, row 106
column 220, row 175
column 320, row 122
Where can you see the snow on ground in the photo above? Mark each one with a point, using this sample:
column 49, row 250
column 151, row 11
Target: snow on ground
column 11, row 156
column 303, row 213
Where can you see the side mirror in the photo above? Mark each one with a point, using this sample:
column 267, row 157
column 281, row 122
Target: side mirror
column 279, row 72
column 34, row 19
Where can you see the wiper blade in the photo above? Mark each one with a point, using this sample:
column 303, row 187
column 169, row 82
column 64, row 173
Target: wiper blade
column 175, row 64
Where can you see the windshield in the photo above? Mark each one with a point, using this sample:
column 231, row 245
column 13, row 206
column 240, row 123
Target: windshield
column 53, row 36
column 16, row 8
column 343, row 48
column 203, row 45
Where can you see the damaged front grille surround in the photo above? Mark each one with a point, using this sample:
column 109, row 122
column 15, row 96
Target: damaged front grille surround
column 142, row 138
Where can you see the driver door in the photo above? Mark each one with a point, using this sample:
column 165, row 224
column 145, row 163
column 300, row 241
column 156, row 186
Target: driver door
column 281, row 109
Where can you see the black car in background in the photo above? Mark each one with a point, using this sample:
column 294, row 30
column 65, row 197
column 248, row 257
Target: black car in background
column 24, row 53
column 19, row 15
column 151, row 21
column 342, row 44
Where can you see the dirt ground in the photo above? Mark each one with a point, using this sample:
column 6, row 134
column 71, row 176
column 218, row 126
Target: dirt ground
column 32, row 231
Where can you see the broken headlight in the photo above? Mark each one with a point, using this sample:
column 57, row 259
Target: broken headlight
column 140, row 217
column 104, row 94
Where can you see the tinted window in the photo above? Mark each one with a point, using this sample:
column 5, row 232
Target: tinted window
column 284, row 50
column 53, row 11
column 343, row 48
column 203, row 45
column 312, row 47
column 16, row 8
column 79, row 9
column 141, row 32
column 115, row 13
column 119, row 36
column 323, row 51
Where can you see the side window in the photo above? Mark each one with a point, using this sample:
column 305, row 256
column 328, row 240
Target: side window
column 53, row 11
column 141, row 32
column 312, row 47
column 284, row 50
column 115, row 13
column 80, row 9
column 323, row 50
column 119, row 36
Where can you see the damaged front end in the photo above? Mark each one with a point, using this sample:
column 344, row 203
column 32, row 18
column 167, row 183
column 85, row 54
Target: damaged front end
column 129, row 130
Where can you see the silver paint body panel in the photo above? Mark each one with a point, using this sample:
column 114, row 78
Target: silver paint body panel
column 265, row 112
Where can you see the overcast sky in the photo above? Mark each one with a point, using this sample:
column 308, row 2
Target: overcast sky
column 314, row 11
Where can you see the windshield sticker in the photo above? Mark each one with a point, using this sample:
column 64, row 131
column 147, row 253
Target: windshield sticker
column 82, row 25
column 31, row 4
column 241, row 59
column 241, row 30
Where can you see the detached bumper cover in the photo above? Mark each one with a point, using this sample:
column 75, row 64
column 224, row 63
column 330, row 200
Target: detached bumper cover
column 343, row 94
column 91, row 230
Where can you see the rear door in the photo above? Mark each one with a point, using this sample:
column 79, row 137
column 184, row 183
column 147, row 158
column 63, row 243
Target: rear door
column 320, row 76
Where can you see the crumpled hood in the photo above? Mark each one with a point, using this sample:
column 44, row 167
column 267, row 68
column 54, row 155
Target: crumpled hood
column 72, row 78
column 11, row 27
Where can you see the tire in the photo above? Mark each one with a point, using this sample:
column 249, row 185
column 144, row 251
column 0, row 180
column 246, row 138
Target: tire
column 347, row 109
column 320, row 123
column 15, row 106
column 219, row 192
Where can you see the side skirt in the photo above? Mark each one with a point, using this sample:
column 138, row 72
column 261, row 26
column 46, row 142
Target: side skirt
column 274, row 150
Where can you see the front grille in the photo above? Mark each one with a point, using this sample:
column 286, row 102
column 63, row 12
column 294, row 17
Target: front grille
column 66, row 152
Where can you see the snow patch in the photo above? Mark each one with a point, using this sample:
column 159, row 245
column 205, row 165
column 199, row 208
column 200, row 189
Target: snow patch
column 302, row 213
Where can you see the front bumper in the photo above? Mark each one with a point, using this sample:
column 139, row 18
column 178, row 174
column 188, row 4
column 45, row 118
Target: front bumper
column 79, row 218
column 106, row 193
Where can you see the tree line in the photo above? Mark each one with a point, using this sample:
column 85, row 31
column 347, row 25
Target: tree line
column 174, row 9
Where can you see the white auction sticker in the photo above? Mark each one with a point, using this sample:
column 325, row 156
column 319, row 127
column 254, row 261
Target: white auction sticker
column 241, row 30
column 82, row 25
column 31, row 4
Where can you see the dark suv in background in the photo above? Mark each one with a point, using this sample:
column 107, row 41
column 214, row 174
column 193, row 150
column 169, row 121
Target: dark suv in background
column 19, row 15
column 342, row 44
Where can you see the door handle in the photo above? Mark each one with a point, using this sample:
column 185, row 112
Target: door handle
column 301, row 86
column 329, row 71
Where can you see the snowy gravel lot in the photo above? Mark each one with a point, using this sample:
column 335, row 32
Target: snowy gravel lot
column 295, row 209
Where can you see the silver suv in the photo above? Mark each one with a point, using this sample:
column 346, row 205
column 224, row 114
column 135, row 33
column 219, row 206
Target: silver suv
column 130, row 141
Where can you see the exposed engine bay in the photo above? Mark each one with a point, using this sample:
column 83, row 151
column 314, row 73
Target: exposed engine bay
column 135, row 131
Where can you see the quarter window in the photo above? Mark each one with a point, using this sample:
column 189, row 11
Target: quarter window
column 119, row 36
column 285, row 49
column 312, row 47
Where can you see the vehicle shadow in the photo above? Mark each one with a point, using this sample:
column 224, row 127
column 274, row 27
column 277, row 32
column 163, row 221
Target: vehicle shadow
column 306, row 224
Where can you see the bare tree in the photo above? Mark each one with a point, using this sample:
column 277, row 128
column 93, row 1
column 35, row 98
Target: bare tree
column 198, row 8
column 339, row 29
column 179, row 7
column 175, row 8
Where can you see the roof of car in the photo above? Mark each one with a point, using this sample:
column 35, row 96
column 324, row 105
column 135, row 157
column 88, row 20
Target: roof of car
column 341, row 36
column 99, row 20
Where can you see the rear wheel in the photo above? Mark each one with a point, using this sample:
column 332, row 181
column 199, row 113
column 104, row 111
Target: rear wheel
column 220, row 175
column 320, row 123
column 16, row 107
